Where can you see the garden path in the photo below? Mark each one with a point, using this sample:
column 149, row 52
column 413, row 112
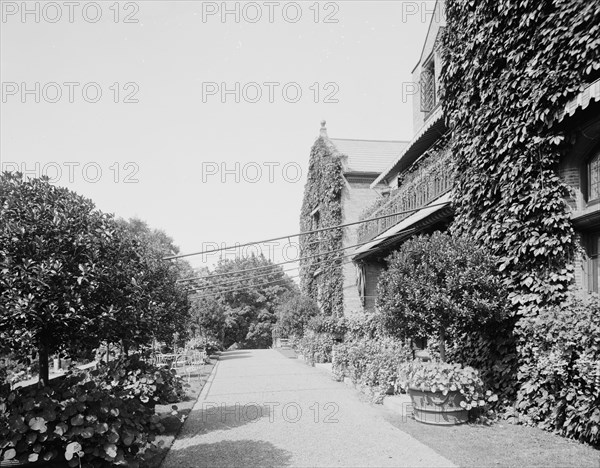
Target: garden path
column 260, row 408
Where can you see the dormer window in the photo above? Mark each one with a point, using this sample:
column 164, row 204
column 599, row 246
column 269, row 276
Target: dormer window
column 428, row 91
column 593, row 182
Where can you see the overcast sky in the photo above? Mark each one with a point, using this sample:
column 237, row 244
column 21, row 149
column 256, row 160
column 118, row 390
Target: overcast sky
column 169, row 150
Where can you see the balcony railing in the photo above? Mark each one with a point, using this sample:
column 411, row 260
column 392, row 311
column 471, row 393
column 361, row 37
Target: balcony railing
column 421, row 187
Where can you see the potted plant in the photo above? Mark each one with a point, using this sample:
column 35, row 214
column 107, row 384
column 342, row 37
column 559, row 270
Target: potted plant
column 443, row 393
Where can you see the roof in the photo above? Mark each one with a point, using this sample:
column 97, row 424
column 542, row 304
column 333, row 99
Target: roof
column 438, row 17
column 433, row 129
column 371, row 156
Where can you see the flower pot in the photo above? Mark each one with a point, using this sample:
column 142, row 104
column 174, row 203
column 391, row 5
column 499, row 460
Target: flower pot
column 436, row 408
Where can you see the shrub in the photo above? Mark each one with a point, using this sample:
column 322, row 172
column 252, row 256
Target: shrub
column 74, row 420
column 293, row 314
column 493, row 351
column 327, row 324
column 363, row 325
column 209, row 344
column 439, row 285
column 371, row 362
column 130, row 377
column 316, row 347
column 560, row 370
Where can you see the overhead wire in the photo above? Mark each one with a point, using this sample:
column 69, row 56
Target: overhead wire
column 274, row 265
column 305, row 233
column 218, row 293
column 242, row 278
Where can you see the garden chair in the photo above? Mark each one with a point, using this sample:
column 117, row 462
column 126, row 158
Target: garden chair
column 195, row 363
column 181, row 363
column 161, row 360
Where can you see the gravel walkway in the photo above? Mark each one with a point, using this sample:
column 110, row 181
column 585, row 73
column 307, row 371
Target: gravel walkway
column 260, row 408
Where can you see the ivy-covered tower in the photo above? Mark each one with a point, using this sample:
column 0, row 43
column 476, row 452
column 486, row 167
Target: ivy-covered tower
column 337, row 190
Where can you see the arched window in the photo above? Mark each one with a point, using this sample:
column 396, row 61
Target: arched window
column 594, row 178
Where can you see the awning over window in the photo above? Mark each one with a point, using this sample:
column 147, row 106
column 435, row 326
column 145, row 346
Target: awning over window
column 435, row 206
column 581, row 101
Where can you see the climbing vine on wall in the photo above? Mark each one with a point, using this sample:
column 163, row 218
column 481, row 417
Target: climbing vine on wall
column 322, row 279
column 510, row 66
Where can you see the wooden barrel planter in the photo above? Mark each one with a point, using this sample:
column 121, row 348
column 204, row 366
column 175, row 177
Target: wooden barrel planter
column 436, row 408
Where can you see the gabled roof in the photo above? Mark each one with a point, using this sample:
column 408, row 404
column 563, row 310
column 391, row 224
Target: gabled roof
column 437, row 18
column 367, row 156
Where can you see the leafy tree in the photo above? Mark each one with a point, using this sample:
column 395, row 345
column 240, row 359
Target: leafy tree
column 209, row 316
column 294, row 313
column 247, row 299
column 51, row 262
column 439, row 285
column 73, row 277
column 165, row 309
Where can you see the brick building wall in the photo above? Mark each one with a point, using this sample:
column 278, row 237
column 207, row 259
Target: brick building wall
column 356, row 196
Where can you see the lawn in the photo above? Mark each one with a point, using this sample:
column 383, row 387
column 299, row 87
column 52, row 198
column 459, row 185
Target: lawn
column 173, row 420
column 499, row 444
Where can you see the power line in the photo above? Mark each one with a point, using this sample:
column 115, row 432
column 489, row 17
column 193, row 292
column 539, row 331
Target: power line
column 245, row 287
column 208, row 277
column 253, row 285
column 305, row 233
column 193, row 278
column 275, row 264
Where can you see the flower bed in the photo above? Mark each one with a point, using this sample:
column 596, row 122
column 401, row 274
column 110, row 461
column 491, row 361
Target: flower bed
column 371, row 362
column 76, row 421
column 95, row 418
column 315, row 347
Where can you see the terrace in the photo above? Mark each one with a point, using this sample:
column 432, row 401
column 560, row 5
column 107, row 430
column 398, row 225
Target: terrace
column 421, row 184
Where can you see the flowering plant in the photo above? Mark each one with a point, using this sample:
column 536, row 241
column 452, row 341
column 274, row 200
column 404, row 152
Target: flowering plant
column 445, row 377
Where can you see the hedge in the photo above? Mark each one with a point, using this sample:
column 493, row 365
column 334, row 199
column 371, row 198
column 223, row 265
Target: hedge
column 560, row 370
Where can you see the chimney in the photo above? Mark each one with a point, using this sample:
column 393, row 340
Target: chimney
column 323, row 133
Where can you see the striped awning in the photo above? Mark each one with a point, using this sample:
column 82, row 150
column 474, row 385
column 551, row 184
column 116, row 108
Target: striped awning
column 404, row 225
column 581, row 101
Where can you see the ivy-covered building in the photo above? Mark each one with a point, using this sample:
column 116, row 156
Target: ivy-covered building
column 579, row 168
column 338, row 188
column 438, row 171
column 506, row 149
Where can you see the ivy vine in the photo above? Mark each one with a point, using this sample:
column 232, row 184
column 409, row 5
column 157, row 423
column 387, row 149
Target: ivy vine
column 321, row 278
column 509, row 67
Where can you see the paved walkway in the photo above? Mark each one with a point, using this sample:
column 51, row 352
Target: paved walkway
column 262, row 409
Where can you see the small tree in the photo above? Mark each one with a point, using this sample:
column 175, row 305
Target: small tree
column 439, row 285
column 51, row 251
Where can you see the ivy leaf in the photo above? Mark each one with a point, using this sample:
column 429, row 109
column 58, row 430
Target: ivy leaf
column 38, row 424
column 9, row 454
column 77, row 420
column 72, row 449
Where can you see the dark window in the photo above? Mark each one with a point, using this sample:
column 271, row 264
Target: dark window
column 593, row 191
column 428, row 94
